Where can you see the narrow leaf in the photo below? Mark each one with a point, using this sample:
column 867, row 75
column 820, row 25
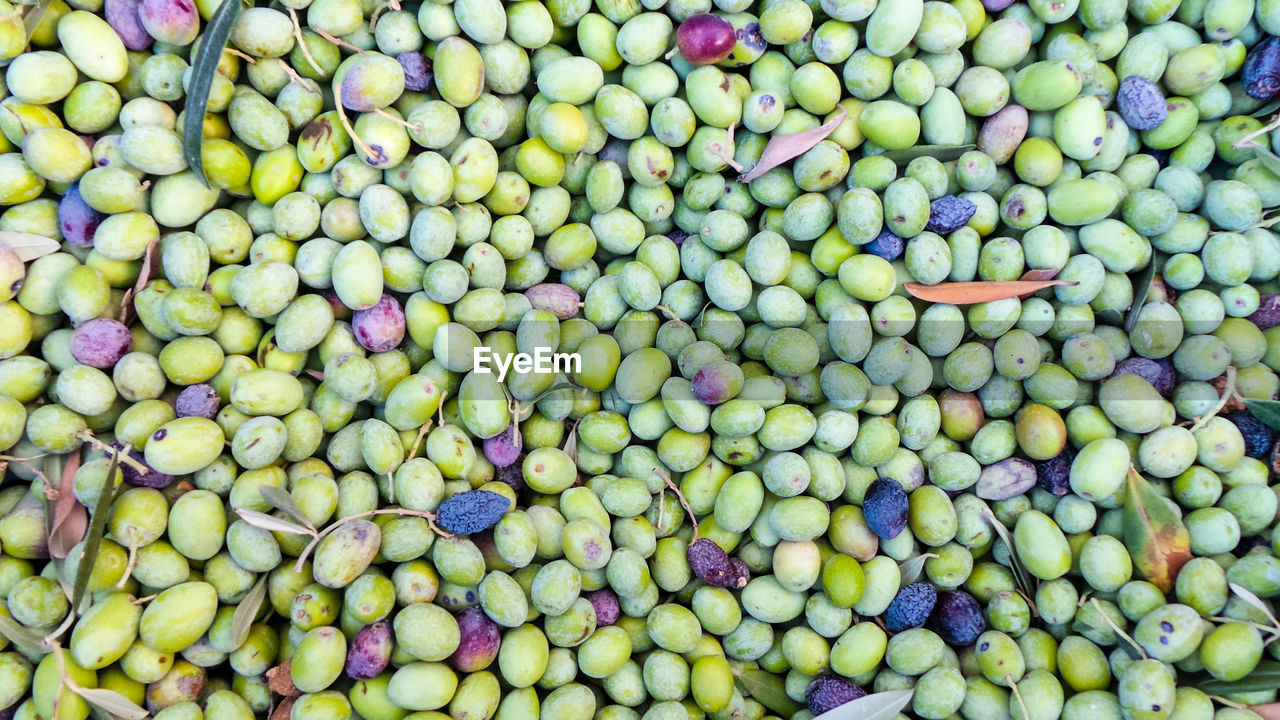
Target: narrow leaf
column 769, row 690
column 1266, row 676
column 943, row 153
column 1266, row 110
column 93, row 539
column 28, row 642
column 1267, row 158
column 1020, row 575
column 112, row 702
column 70, row 519
column 1247, row 596
column 29, row 246
column 32, row 19
column 280, row 499
column 911, row 568
column 247, row 611
column 878, row 706
column 782, row 148
column 969, row 293
column 1141, row 288
column 270, row 522
column 205, row 64
column 1268, row 411
column 1154, row 534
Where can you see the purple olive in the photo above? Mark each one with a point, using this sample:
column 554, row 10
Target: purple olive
column 370, row 651
column 480, row 641
column 122, row 16
column 705, row 39
column 76, row 219
column 100, row 342
column 171, row 21
column 381, row 327
column 504, row 448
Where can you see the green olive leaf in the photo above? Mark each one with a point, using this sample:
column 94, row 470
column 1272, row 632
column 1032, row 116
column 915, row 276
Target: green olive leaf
column 93, row 538
column 1268, row 411
column 878, row 706
column 1267, row 158
column 1266, row 110
column 1154, row 534
column 247, row 611
column 1266, row 676
column 911, row 568
column 111, row 701
column 942, row 153
column 281, row 500
column 769, row 690
column 270, row 522
column 203, row 66
column 30, row 643
column 1141, row 288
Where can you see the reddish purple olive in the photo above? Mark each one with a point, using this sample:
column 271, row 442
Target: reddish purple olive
column 705, row 39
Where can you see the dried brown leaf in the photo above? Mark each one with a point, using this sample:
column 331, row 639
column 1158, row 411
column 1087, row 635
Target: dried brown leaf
column 969, row 293
column 782, row 148
column 280, row 680
column 70, row 519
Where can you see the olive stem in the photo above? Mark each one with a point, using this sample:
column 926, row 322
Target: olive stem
column 1228, row 703
column 124, row 458
column 141, row 600
column 132, row 562
column 294, row 77
column 302, row 44
column 1248, row 140
column 429, row 516
column 440, row 408
column 1228, row 391
column 726, row 154
column 1117, row 630
column 1013, row 685
column 416, row 127
column 422, row 433
column 243, row 56
column 62, row 628
column 346, row 124
column 340, row 42
column 693, row 517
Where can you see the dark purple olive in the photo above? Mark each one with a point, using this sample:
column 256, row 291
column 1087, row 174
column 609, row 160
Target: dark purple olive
column 705, row 39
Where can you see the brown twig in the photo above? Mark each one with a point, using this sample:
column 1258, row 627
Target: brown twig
column 693, row 517
column 302, row 44
column 1247, row 141
column 1228, row 391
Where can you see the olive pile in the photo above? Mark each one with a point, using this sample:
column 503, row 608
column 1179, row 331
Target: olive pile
column 907, row 356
